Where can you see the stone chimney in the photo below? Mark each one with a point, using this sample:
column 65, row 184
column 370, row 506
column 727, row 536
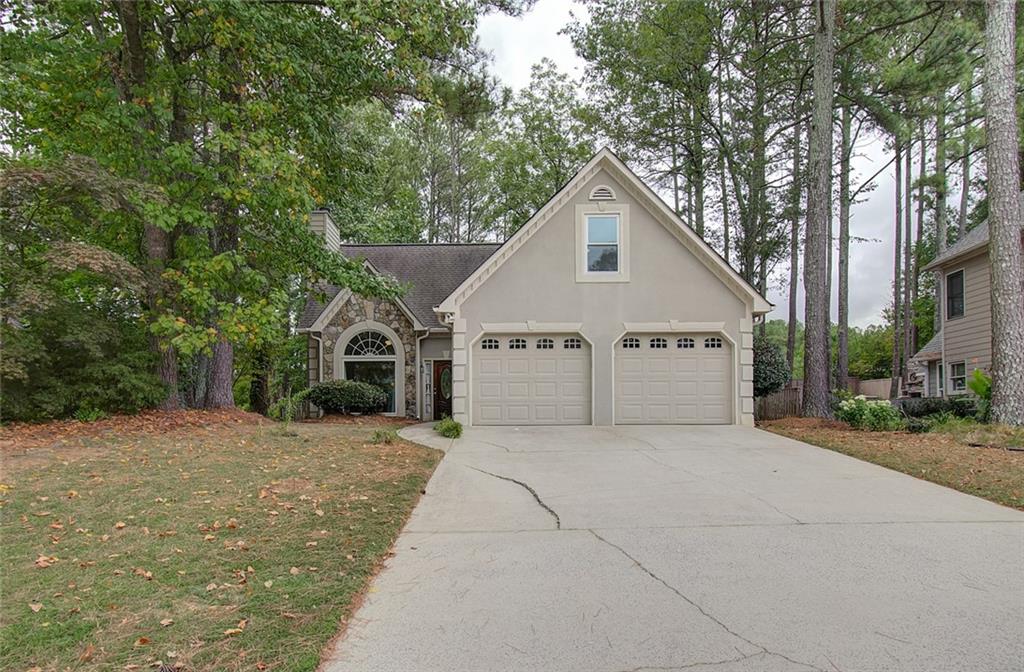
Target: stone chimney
column 322, row 226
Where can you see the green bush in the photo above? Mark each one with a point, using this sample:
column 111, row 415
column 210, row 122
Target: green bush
column 89, row 414
column 873, row 415
column 449, row 428
column 918, row 425
column 771, row 372
column 385, row 435
column 347, row 396
column 288, row 407
column 981, row 384
column 920, row 407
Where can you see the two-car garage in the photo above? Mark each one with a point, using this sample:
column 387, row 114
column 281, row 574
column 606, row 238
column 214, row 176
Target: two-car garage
column 530, row 379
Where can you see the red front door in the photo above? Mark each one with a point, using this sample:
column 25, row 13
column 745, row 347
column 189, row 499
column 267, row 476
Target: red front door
column 442, row 389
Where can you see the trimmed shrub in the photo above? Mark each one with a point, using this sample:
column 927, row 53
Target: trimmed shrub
column 918, row 425
column 771, row 372
column 449, row 428
column 920, row 407
column 873, row 415
column 347, row 396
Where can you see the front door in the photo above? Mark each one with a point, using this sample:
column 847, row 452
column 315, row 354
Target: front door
column 442, row 389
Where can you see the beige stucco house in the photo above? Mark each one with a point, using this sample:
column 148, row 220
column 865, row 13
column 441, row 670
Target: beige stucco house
column 604, row 308
column 964, row 340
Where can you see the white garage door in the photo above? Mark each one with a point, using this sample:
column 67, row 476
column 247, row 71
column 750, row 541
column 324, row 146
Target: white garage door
column 673, row 379
column 531, row 380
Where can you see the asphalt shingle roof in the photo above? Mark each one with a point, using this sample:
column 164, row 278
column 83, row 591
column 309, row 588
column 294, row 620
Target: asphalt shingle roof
column 432, row 270
column 931, row 350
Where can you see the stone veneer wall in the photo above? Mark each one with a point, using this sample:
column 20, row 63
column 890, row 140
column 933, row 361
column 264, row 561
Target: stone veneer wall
column 358, row 309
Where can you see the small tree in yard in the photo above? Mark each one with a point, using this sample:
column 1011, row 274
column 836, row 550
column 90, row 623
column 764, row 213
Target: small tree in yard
column 771, row 370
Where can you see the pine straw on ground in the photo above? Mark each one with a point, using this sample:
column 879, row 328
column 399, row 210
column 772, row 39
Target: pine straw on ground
column 980, row 462
column 203, row 542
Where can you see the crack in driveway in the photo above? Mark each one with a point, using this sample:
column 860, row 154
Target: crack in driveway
column 761, row 649
column 536, row 497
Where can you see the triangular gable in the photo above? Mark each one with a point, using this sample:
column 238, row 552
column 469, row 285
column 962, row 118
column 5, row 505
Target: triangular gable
column 344, row 295
column 607, row 160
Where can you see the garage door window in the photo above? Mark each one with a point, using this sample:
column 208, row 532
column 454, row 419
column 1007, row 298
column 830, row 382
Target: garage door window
column 684, row 343
column 489, row 344
column 572, row 344
column 631, row 344
column 659, row 343
column 545, row 344
column 713, row 343
column 517, row 344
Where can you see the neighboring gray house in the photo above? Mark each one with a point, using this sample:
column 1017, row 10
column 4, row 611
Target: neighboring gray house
column 964, row 340
column 604, row 308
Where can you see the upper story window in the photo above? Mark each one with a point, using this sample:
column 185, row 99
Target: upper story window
column 955, row 295
column 517, row 344
column 685, row 343
column 572, row 344
column 713, row 342
column 603, row 243
column 489, row 344
column 659, row 343
column 545, row 344
column 631, row 343
column 958, row 376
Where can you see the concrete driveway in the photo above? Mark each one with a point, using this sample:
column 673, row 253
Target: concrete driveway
column 699, row 548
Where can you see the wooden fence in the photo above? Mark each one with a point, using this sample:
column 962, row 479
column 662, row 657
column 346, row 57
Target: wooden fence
column 782, row 404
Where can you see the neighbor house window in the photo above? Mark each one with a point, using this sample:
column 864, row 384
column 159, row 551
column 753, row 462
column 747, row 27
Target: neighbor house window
column 659, row 343
column 489, row 344
column 942, row 379
column 685, row 343
column 631, row 343
column 517, row 344
column 955, row 295
column 545, row 344
column 958, row 377
column 572, row 344
column 712, row 343
column 602, row 243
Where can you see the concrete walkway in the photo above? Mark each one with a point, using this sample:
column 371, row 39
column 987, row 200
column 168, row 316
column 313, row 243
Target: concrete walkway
column 697, row 548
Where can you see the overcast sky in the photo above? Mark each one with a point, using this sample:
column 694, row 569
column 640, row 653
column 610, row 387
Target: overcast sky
column 516, row 44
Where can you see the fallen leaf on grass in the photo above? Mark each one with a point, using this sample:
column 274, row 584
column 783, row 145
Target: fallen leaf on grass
column 211, row 586
column 87, row 653
column 120, row 525
column 44, row 561
column 294, row 570
column 35, row 606
column 167, row 621
column 142, row 641
column 268, row 584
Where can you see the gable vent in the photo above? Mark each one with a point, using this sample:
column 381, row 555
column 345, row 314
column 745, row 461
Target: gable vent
column 602, row 193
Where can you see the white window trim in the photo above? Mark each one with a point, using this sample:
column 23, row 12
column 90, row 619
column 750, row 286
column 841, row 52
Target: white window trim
column 602, row 208
column 949, row 372
column 940, row 375
column 945, row 293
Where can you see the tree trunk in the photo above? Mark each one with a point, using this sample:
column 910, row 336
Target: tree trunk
column 919, row 233
column 697, row 171
column 794, row 248
column 897, row 361
column 965, row 189
column 816, row 244
column 721, row 182
column 1007, row 266
column 940, row 174
column 908, row 249
column 843, row 344
column 259, row 386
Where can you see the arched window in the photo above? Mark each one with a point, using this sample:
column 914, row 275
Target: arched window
column 659, row 343
column 517, row 344
column 572, row 344
column 685, row 343
column 631, row 343
column 713, row 343
column 370, row 356
column 489, row 344
column 545, row 344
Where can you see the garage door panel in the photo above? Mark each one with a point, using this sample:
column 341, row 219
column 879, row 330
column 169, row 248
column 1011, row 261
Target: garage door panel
column 538, row 384
column 678, row 384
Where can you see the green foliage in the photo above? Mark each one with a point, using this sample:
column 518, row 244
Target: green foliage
column 347, row 396
column 871, row 415
column 980, row 384
column 87, row 414
column 771, row 371
column 920, row 407
column 384, row 435
column 448, row 427
column 289, row 406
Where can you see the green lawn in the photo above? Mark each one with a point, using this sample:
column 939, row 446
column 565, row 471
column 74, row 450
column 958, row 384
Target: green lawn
column 227, row 547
